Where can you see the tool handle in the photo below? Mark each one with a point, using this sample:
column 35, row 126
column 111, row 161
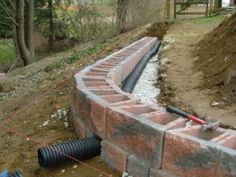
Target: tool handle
column 197, row 120
column 177, row 111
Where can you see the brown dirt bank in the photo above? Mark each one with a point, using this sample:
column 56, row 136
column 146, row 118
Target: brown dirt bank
column 37, row 107
column 157, row 30
column 181, row 82
column 217, row 60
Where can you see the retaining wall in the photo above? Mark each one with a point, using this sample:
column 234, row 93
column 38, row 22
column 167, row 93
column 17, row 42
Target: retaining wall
column 140, row 137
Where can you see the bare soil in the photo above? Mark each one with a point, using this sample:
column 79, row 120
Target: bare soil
column 28, row 111
column 180, row 79
column 217, row 60
column 157, row 30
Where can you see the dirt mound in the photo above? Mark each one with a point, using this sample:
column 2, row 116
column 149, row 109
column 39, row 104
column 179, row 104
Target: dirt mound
column 217, row 60
column 157, row 30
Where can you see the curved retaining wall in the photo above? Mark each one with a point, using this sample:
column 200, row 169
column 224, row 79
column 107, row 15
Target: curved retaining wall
column 139, row 137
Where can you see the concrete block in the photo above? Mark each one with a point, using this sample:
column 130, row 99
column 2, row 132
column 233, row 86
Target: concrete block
column 116, row 98
column 99, row 70
column 120, row 100
column 98, row 117
column 104, row 92
column 91, row 110
column 227, row 155
column 96, row 84
column 100, row 88
column 167, row 119
column 129, row 126
column 96, row 74
column 160, row 173
column 138, row 109
column 82, row 104
column 227, row 159
column 114, row 156
column 191, row 152
column 137, row 167
column 92, row 79
column 80, row 128
column 132, row 133
column 132, row 58
column 116, row 74
column 130, row 102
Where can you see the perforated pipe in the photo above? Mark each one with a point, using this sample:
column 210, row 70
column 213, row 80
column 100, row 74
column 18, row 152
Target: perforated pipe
column 129, row 83
column 76, row 149
column 17, row 174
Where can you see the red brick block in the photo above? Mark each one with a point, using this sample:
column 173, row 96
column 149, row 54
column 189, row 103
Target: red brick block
column 92, row 79
column 160, row 173
column 227, row 155
column 167, row 119
column 104, row 92
column 98, row 117
column 91, row 111
column 80, row 128
column 191, row 152
column 114, row 156
column 95, row 84
column 137, row 167
column 115, row 75
column 116, row 98
column 132, row 133
column 96, row 74
column 82, row 104
column 99, row 70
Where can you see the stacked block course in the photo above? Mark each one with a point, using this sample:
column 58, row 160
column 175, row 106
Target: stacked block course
column 141, row 138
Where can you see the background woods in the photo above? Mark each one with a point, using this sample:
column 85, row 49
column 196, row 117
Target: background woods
column 30, row 29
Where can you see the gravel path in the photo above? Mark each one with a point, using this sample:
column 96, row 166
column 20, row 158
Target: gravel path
column 145, row 88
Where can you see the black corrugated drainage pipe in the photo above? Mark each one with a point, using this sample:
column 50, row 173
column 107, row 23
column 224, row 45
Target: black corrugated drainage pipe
column 129, row 83
column 76, row 149
column 17, row 174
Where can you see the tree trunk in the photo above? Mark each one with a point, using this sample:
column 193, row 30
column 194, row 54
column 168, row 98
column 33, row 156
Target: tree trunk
column 14, row 30
column 217, row 4
column 122, row 9
column 51, row 24
column 167, row 10
column 232, row 2
column 29, row 26
column 24, row 30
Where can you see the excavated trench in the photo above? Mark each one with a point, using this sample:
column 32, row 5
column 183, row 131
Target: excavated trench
column 144, row 88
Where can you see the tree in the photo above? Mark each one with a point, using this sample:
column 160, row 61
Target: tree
column 24, row 17
column 51, row 24
column 122, row 9
column 232, row 2
column 167, row 9
column 6, row 26
column 17, row 20
column 44, row 19
column 217, row 4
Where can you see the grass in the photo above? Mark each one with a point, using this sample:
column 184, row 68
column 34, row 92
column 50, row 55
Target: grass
column 75, row 57
column 85, row 53
column 88, row 52
column 7, row 53
column 206, row 20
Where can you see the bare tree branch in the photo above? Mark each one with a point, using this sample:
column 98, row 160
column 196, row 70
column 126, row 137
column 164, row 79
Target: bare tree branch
column 12, row 5
column 13, row 64
column 5, row 8
column 5, row 24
